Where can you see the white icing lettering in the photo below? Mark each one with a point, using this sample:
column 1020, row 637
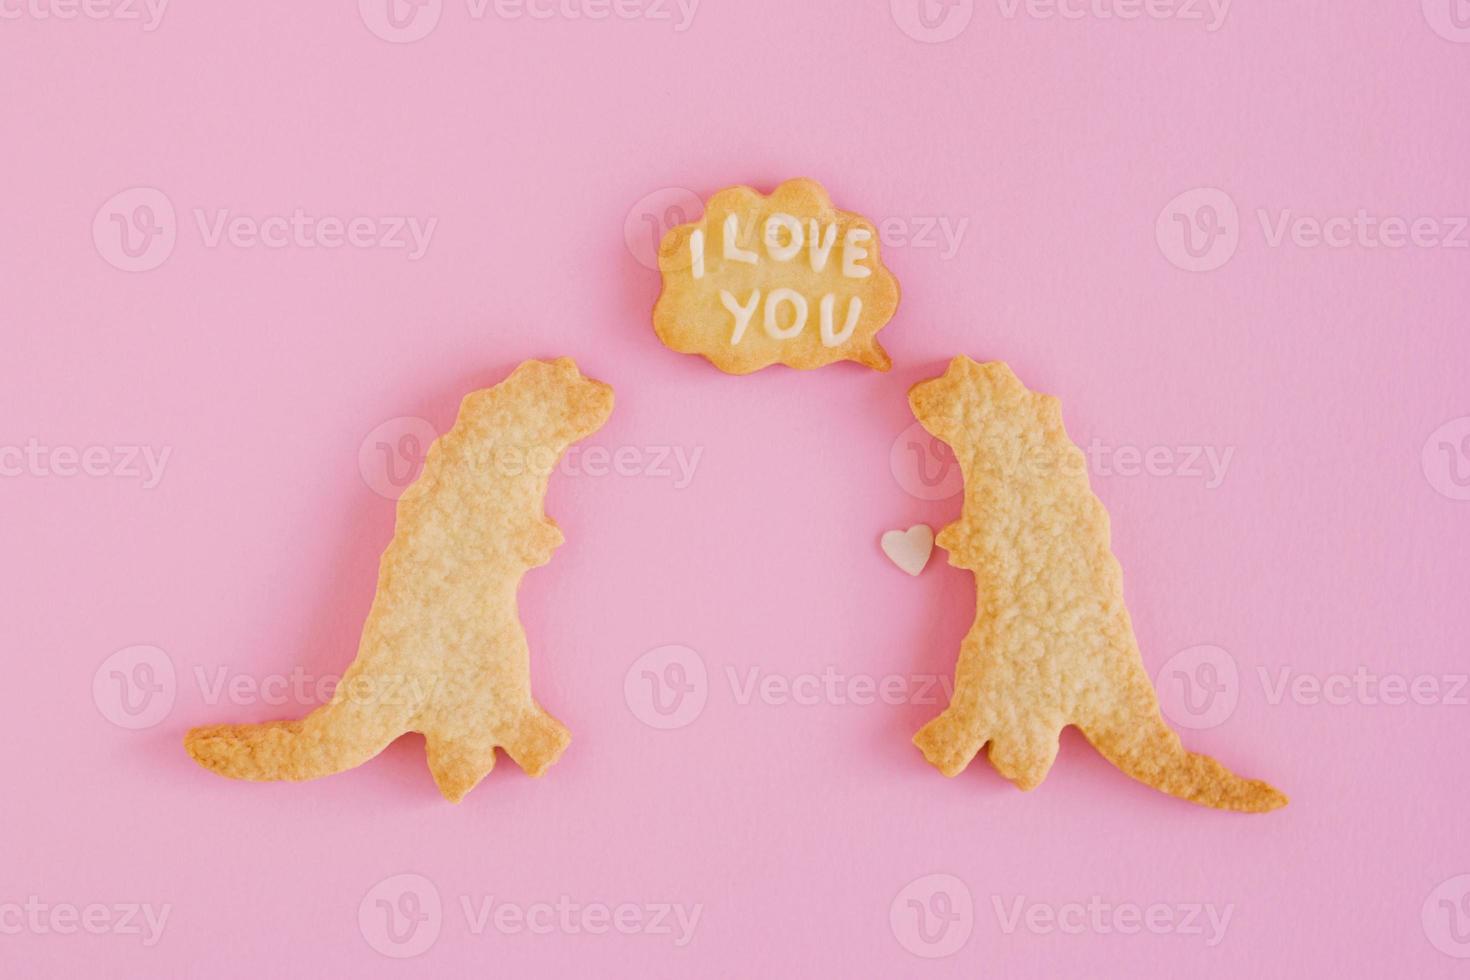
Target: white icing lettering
column 774, row 224
column 821, row 245
column 854, row 311
column 734, row 252
column 853, row 252
column 696, row 252
column 773, row 306
column 742, row 313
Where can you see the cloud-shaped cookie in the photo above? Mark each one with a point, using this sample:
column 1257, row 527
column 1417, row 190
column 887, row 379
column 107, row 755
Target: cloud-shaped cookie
column 779, row 279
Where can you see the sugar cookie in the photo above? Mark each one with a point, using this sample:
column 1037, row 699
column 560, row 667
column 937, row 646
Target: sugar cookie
column 779, row 279
column 442, row 651
column 1052, row 644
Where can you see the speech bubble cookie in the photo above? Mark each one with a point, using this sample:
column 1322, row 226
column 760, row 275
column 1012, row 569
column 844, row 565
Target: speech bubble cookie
column 779, row 279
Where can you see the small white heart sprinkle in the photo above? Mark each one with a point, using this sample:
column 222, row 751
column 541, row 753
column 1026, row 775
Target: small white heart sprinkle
column 910, row 549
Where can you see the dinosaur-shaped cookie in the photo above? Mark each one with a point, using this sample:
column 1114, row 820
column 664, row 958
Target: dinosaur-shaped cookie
column 442, row 651
column 1052, row 644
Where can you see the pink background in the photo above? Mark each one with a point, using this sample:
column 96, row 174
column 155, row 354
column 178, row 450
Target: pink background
column 1326, row 548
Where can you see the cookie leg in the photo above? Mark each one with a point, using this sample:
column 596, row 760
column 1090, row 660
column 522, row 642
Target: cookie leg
column 1024, row 757
column 458, row 764
column 950, row 741
column 538, row 741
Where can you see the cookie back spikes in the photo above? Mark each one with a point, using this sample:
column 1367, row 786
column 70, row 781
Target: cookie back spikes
column 442, row 651
column 1052, row 644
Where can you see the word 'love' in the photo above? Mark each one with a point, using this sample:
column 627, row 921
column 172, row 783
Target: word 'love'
column 785, row 238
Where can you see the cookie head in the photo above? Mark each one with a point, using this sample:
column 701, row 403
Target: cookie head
column 575, row 405
column 973, row 404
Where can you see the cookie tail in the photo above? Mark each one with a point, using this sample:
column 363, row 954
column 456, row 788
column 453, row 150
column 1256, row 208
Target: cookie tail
column 337, row 736
column 1148, row 750
column 874, row 356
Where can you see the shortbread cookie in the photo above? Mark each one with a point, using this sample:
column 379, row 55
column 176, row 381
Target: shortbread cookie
column 1052, row 644
column 443, row 652
column 780, row 279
